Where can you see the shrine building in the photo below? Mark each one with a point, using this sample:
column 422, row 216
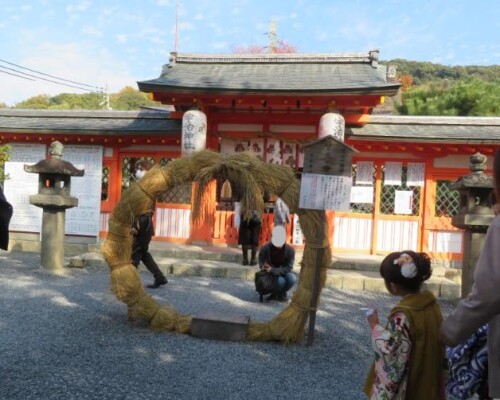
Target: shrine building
column 270, row 105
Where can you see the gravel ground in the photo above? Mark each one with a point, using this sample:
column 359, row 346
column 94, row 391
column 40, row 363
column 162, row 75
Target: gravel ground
column 69, row 338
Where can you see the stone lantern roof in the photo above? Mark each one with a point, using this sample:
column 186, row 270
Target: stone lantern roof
column 54, row 166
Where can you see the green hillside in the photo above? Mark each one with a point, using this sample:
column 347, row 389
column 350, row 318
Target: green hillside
column 435, row 89
column 427, row 72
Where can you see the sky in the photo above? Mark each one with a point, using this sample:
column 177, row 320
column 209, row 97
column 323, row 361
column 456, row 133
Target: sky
column 109, row 44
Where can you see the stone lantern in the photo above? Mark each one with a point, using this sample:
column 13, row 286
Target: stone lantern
column 474, row 215
column 54, row 189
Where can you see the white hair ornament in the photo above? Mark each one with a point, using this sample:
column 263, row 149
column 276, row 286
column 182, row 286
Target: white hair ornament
column 408, row 267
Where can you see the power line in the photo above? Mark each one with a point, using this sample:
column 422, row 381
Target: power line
column 51, row 76
column 19, row 76
column 48, row 80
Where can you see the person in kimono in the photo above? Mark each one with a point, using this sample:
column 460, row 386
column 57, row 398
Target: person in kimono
column 409, row 358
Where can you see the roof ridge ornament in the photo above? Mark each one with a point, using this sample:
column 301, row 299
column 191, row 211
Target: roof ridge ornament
column 374, row 57
column 273, row 58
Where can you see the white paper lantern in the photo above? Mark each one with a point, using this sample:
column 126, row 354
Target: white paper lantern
column 332, row 124
column 194, row 132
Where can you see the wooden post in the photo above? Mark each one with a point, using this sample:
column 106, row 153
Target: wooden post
column 320, row 237
column 325, row 185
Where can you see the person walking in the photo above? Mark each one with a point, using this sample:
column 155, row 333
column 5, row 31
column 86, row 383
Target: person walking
column 483, row 303
column 143, row 231
column 409, row 359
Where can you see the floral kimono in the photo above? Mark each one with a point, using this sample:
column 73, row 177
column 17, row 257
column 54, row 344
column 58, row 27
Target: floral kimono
column 409, row 359
column 392, row 354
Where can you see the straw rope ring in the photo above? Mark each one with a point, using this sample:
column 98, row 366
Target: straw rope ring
column 252, row 176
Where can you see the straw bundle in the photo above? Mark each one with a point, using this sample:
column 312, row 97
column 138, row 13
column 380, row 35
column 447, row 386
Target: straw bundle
column 252, row 177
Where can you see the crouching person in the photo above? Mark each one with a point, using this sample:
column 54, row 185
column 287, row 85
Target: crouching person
column 277, row 258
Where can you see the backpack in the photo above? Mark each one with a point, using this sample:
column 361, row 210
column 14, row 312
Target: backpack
column 265, row 283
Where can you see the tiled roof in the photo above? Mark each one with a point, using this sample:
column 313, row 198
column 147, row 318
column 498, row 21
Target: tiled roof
column 88, row 122
column 429, row 129
column 122, row 123
column 274, row 73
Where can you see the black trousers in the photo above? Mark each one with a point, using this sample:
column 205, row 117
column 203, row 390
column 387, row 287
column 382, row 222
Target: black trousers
column 141, row 253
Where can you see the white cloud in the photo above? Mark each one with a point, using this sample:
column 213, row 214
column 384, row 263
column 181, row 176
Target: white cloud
column 236, row 11
column 186, row 26
column 121, row 38
column 220, row 45
column 362, row 29
column 78, row 7
column 91, row 31
column 323, row 35
column 163, row 2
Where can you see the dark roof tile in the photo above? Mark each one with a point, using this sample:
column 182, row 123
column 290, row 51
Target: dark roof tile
column 89, row 122
column 273, row 73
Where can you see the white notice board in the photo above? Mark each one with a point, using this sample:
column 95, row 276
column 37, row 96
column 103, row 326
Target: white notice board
column 325, row 192
column 84, row 219
column 21, row 185
column 18, row 189
column 403, row 202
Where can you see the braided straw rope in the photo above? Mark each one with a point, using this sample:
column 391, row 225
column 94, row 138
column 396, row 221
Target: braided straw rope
column 253, row 177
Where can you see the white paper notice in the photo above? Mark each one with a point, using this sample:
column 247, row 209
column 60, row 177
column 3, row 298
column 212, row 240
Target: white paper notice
column 403, row 202
column 393, row 172
column 84, row 219
column 237, row 214
column 364, row 173
column 362, row 194
column 297, row 235
column 325, row 192
column 21, row 185
column 18, row 189
column 416, row 172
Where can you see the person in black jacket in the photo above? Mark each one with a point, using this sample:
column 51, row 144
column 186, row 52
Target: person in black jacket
column 277, row 257
column 248, row 237
column 5, row 216
column 143, row 231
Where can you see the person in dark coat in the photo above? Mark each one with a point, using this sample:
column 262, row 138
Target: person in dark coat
column 143, row 231
column 6, row 211
column 248, row 237
column 278, row 258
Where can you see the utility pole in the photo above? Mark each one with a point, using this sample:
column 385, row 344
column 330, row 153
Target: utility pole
column 273, row 37
column 105, row 100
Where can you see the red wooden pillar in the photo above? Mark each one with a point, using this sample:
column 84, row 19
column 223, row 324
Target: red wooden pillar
column 201, row 229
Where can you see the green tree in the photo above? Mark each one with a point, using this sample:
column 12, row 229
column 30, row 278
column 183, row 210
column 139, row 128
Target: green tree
column 72, row 101
column 40, row 102
column 5, row 151
column 471, row 97
column 3, row 105
column 130, row 99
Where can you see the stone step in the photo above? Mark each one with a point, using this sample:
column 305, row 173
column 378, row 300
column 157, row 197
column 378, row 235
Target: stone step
column 336, row 278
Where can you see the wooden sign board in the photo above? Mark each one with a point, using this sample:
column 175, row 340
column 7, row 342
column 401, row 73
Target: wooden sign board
column 327, row 178
column 328, row 156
